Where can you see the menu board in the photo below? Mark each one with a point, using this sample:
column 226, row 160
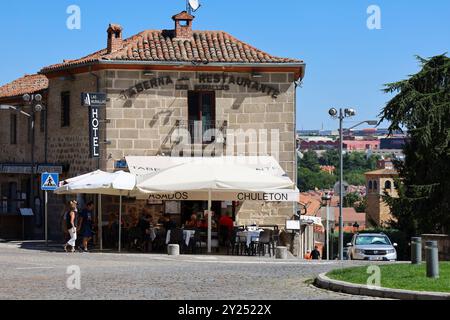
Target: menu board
column 173, row 207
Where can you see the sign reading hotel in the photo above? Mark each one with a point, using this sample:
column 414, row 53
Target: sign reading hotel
column 205, row 81
column 94, row 101
column 94, row 132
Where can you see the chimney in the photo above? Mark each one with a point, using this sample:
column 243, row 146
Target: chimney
column 114, row 37
column 183, row 25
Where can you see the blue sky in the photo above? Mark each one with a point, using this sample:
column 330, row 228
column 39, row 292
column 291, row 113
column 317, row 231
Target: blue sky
column 347, row 64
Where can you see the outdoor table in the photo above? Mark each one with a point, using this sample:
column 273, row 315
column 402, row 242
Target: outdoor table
column 187, row 235
column 249, row 235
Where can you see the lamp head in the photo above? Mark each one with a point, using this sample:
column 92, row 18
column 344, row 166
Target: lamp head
column 333, row 112
column 350, row 112
column 26, row 97
column 38, row 97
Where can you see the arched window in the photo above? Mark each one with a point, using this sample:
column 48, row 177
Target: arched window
column 388, row 185
column 370, row 185
column 375, row 186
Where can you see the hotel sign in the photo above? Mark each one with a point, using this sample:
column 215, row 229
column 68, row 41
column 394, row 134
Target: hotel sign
column 94, row 132
column 93, row 99
column 204, row 81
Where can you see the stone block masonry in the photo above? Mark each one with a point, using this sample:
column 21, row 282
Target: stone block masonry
column 144, row 113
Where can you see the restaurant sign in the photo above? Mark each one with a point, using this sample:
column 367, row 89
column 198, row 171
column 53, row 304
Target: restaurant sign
column 268, row 196
column 204, row 81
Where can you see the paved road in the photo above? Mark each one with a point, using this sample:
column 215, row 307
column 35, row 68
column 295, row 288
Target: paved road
column 37, row 274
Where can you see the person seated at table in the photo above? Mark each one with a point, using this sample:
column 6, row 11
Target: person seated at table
column 144, row 226
column 168, row 223
column 133, row 217
column 193, row 222
column 226, row 221
column 226, row 226
column 203, row 224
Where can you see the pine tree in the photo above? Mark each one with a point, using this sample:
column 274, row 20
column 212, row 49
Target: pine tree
column 422, row 106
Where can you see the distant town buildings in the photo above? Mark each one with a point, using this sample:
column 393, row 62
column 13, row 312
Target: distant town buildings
column 372, row 141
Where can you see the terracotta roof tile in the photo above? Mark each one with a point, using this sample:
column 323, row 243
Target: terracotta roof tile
column 350, row 215
column 27, row 84
column 161, row 46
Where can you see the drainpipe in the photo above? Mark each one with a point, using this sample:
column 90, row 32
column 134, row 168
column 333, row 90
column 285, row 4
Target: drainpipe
column 296, row 168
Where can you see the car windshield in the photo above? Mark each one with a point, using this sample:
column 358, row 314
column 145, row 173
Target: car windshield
column 369, row 240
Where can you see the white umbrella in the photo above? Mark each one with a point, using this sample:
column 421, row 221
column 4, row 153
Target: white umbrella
column 102, row 183
column 208, row 176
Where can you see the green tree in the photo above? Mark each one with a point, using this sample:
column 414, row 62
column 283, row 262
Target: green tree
column 310, row 160
column 355, row 178
column 361, row 206
column 351, row 199
column 330, row 158
column 422, row 106
column 310, row 180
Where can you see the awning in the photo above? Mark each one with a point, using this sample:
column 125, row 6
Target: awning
column 210, row 175
column 141, row 166
column 100, row 182
column 235, row 179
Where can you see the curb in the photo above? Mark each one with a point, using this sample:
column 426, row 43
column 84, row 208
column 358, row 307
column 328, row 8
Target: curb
column 322, row 281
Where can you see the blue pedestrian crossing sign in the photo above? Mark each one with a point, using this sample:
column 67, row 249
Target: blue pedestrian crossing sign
column 49, row 181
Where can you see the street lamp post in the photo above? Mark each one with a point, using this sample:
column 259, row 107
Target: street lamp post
column 35, row 102
column 326, row 199
column 341, row 115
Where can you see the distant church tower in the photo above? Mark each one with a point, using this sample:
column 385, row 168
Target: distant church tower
column 378, row 183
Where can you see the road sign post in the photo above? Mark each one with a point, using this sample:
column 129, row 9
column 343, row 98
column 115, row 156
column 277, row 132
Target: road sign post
column 49, row 182
column 46, row 217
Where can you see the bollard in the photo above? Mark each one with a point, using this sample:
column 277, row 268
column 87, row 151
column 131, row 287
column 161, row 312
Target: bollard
column 432, row 257
column 281, row 253
column 173, row 249
column 416, row 250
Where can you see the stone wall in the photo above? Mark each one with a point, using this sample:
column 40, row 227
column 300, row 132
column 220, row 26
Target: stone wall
column 443, row 241
column 20, row 152
column 143, row 124
column 68, row 146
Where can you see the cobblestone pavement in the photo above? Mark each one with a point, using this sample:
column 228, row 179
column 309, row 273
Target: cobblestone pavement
column 38, row 274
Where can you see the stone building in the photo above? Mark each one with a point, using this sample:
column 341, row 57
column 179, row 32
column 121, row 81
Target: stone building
column 159, row 82
column 16, row 150
column 379, row 183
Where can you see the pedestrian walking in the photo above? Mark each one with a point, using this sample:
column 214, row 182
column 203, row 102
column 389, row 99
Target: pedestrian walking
column 71, row 220
column 85, row 225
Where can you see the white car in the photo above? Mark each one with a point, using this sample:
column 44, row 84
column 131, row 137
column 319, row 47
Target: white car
column 372, row 247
